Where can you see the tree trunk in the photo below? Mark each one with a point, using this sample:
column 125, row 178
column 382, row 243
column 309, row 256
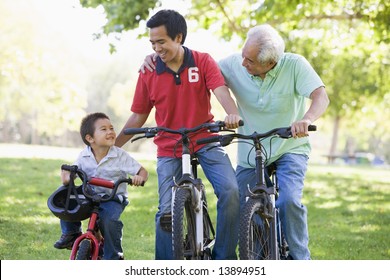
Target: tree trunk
column 333, row 147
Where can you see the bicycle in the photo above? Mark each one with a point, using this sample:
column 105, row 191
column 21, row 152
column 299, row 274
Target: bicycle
column 193, row 234
column 261, row 235
column 77, row 203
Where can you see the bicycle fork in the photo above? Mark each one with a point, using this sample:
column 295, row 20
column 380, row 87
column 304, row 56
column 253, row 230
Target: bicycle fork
column 190, row 181
column 271, row 215
column 90, row 235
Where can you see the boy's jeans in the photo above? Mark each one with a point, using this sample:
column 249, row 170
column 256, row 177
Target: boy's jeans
column 220, row 173
column 290, row 170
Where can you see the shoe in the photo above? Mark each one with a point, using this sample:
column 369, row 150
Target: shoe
column 66, row 241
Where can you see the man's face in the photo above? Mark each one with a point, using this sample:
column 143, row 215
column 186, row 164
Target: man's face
column 250, row 62
column 166, row 48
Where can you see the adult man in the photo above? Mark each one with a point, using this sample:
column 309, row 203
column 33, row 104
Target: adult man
column 179, row 90
column 271, row 87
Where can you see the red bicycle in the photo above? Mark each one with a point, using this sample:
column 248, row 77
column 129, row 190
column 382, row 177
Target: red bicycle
column 76, row 203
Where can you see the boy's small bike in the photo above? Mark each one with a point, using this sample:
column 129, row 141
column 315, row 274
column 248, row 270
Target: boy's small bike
column 261, row 235
column 76, row 203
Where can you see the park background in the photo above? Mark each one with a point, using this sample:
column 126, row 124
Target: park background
column 62, row 59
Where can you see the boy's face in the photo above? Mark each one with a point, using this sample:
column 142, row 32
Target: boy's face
column 104, row 134
column 166, row 48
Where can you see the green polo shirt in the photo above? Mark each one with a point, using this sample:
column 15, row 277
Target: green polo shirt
column 277, row 101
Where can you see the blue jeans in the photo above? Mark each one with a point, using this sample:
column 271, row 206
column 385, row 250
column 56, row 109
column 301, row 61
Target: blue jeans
column 217, row 167
column 290, row 170
column 110, row 225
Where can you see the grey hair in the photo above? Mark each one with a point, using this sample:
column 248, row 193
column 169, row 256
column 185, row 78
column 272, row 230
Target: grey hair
column 271, row 44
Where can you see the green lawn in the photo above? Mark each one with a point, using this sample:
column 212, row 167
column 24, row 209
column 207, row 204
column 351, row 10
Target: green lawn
column 349, row 212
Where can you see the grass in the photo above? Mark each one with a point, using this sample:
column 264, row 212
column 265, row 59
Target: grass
column 349, row 212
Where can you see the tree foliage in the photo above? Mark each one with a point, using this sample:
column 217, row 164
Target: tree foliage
column 36, row 100
column 122, row 15
column 236, row 16
column 347, row 42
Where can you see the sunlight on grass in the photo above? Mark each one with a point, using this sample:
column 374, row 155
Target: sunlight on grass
column 52, row 220
column 36, row 219
column 9, row 200
column 370, row 228
column 352, row 198
column 329, row 205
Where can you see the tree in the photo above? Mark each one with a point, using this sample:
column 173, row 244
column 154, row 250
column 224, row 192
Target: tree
column 38, row 99
column 345, row 40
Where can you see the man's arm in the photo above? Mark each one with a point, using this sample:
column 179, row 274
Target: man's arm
column 135, row 120
column 222, row 93
column 319, row 103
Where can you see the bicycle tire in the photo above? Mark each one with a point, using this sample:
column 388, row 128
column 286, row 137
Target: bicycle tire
column 256, row 235
column 183, row 227
column 84, row 251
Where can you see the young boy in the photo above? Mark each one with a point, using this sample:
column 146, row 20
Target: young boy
column 102, row 159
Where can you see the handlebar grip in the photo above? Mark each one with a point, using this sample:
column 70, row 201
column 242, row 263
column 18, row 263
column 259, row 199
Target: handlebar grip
column 222, row 123
column 131, row 131
column 102, row 182
column 207, row 140
column 70, row 168
column 312, row 127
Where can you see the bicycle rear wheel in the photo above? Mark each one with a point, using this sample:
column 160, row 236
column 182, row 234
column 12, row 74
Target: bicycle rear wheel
column 183, row 226
column 257, row 233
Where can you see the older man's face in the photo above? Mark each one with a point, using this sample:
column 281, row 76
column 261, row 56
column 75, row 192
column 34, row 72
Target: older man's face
column 250, row 62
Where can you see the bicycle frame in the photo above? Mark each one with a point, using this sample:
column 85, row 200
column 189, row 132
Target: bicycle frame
column 189, row 180
column 93, row 233
column 268, row 210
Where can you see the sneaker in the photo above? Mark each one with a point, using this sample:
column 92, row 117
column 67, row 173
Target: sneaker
column 66, row 241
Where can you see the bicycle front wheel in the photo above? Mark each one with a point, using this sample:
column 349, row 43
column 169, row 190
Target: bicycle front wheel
column 256, row 235
column 183, row 226
column 84, row 251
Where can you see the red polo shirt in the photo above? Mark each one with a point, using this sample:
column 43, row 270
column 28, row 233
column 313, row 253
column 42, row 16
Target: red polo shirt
column 181, row 99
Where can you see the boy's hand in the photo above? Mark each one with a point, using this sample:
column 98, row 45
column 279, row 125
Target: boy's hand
column 138, row 180
column 65, row 177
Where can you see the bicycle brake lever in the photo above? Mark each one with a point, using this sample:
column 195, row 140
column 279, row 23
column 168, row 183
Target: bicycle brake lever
column 284, row 133
column 150, row 134
column 137, row 138
column 215, row 129
column 228, row 130
column 226, row 140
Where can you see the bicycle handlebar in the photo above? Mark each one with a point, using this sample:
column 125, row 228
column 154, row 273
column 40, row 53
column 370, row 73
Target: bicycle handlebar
column 152, row 131
column 73, row 169
column 283, row 132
